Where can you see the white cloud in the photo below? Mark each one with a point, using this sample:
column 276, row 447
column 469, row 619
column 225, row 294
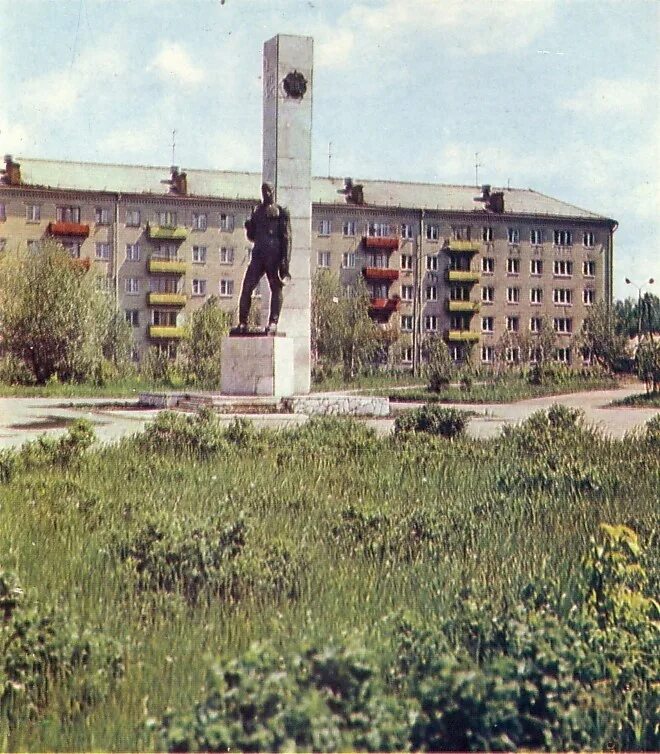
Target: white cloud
column 173, row 62
column 334, row 49
column 609, row 96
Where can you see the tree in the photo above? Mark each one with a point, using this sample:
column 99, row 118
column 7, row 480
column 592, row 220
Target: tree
column 208, row 326
column 440, row 367
column 647, row 363
column 632, row 316
column 599, row 339
column 342, row 330
column 53, row 317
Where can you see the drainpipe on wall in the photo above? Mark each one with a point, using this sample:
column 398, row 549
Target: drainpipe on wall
column 115, row 251
column 417, row 298
column 609, row 266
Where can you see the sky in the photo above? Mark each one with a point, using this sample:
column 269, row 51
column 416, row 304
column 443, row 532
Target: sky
column 561, row 96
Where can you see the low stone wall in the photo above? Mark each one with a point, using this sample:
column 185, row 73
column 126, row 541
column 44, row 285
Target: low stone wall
column 337, row 405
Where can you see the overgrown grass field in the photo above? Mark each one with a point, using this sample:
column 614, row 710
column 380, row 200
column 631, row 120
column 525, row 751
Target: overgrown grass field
column 153, row 559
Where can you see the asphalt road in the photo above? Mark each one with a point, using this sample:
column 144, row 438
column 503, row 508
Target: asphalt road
column 24, row 419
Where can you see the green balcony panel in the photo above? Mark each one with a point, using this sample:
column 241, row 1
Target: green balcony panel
column 173, row 266
column 166, row 299
column 463, row 306
column 462, row 276
column 163, row 332
column 163, row 233
column 462, row 336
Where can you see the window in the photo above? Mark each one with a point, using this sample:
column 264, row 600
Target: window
column 349, row 228
column 456, row 353
column 513, row 295
column 406, row 322
column 487, row 265
column 33, row 213
column 226, row 287
column 164, row 318
column 432, row 232
column 488, row 294
column 512, row 355
column 132, row 285
column 167, row 218
column 562, row 268
column 348, row 260
column 588, row 296
column 104, row 284
column 487, row 324
column 459, row 322
column 535, row 324
column 512, row 324
column 166, row 251
column 536, row 296
column 432, row 263
column 407, row 354
column 535, row 267
column 198, row 287
column 487, row 234
column 381, row 230
column 164, row 285
column 3, row 213
column 133, row 317
column 563, row 355
column 102, row 216
column 431, row 293
column 536, row 236
column 406, row 293
column 103, row 251
column 487, row 354
column 562, row 296
column 430, row 323
column 378, row 290
column 226, row 222
column 589, row 269
column 460, row 232
column 133, row 252
column 68, row 214
column 459, row 293
column 513, row 265
column 513, row 235
column 199, row 254
column 324, row 259
column 73, row 247
column 589, row 239
column 563, row 238
column 378, row 260
column 563, row 325
column 226, row 255
column 325, row 227
column 199, row 220
column 133, row 217
column 406, row 261
column 406, row 231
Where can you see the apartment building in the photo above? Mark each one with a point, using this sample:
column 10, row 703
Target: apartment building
column 467, row 264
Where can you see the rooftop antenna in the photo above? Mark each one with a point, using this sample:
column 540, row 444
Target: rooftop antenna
column 477, row 165
column 173, row 145
column 329, row 157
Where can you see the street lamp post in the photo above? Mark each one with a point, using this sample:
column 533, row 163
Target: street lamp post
column 650, row 281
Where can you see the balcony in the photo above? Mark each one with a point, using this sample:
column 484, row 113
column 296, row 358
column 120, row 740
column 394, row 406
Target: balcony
column 166, row 299
column 462, row 276
column 462, row 336
column 166, row 233
column 381, row 242
column 462, row 247
column 68, row 229
column 384, row 305
column 463, row 306
column 171, row 266
column 165, row 332
column 381, row 274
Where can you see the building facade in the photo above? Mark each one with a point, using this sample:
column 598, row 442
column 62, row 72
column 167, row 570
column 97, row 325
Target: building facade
column 467, row 264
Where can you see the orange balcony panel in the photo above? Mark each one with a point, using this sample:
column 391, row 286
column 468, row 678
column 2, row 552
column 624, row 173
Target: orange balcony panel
column 68, row 229
column 380, row 273
column 385, row 242
column 385, row 304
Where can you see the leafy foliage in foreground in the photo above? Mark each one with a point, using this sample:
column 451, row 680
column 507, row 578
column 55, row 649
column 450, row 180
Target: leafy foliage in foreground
column 434, row 420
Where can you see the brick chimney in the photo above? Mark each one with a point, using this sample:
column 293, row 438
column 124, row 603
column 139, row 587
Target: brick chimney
column 178, row 181
column 12, row 172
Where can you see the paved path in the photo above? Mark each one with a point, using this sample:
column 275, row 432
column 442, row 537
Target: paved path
column 24, row 419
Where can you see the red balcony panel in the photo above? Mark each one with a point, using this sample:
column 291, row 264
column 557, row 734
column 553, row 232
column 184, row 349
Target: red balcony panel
column 380, row 273
column 385, row 304
column 68, row 229
column 386, row 242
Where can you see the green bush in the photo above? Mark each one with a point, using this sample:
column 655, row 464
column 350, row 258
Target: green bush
column 433, row 420
column 653, row 431
column 198, row 434
column 65, row 450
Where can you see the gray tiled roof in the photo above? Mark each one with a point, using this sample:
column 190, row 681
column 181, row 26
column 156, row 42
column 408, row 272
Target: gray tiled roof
column 219, row 184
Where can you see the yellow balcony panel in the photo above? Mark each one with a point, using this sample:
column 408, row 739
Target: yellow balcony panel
column 462, row 306
column 166, row 299
column 463, row 247
column 165, row 233
column 161, row 332
column 172, row 266
column 462, row 336
column 462, row 276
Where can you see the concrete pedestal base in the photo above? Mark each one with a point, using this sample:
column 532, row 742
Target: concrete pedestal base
column 257, row 366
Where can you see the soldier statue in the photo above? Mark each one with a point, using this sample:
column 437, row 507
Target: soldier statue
column 269, row 229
